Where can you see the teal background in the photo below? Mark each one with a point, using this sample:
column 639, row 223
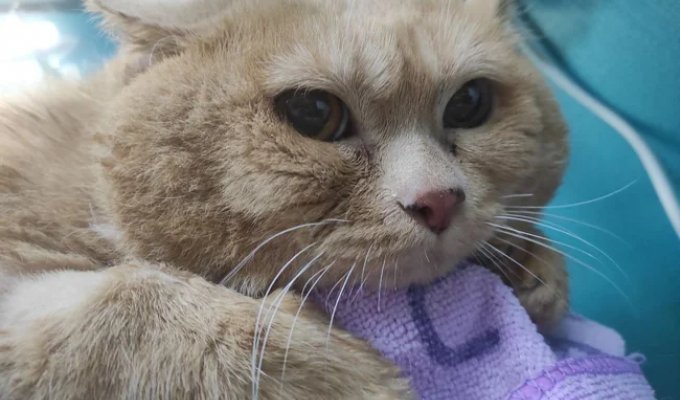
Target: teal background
column 628, row 54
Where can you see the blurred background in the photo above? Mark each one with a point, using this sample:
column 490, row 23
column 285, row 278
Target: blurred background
column 47, row 38
column 624, row 254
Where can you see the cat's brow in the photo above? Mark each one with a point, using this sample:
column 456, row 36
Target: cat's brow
column 340, row 64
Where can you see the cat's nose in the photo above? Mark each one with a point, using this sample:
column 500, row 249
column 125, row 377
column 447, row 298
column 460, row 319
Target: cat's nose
column 434, row 209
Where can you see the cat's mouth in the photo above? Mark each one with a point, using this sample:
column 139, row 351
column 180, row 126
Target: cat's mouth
column 398, row 253
column 423, row 265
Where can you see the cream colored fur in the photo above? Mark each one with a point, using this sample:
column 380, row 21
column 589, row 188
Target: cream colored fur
column 131, row 203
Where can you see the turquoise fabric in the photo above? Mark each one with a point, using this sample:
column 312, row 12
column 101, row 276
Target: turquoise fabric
column 628, row 54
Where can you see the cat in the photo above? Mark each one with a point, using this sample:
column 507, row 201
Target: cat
column 160, row 215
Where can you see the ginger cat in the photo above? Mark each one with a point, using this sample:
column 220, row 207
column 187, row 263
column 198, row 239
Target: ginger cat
column 157, row 216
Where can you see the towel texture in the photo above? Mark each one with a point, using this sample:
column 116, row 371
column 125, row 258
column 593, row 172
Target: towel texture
column 467, row 337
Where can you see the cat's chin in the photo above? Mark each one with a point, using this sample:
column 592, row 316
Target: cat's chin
column 413, row 267
column 420, row 267
column 432, row 258
column 431, row 261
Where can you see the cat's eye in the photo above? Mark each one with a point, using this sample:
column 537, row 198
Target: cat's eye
column 315, row 114
column 470, row 106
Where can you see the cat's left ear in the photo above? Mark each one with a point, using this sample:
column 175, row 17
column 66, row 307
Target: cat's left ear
column 152, row 30
column 164, row 14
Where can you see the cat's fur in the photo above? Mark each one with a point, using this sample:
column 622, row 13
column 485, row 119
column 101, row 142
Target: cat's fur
column 126, row 199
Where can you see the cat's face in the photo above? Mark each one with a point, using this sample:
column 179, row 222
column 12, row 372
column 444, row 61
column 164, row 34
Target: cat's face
column 381, row 136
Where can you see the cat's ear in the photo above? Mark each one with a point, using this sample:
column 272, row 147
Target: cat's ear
column 154, row 29
column 148, row 23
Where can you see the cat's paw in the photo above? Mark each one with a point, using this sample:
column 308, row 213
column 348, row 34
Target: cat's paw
column 542, row 285
column 308, row 360
column 149, row 332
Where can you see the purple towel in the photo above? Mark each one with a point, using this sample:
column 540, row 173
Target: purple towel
column 467, row 337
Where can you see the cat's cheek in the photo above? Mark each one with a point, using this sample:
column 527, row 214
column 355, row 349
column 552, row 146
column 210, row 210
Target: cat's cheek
column 499, row 163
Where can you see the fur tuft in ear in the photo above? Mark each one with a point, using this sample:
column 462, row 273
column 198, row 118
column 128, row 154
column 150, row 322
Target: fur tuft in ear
column 167, row 14
column 133, row 32
column 157, row 24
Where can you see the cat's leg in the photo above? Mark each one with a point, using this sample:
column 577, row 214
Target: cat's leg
column 543, row 287
column 145, row 332
column 536, row 273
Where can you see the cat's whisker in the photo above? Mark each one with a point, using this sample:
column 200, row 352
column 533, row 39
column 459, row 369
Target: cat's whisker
column 337, row 303
column 538, row 214
column 486, row 254
column 539, row 237
column 515, row 246
column 515, row 196
column 256, row 336
column 566, row 232
column 273, row 309
column 522, row 235
column 321, row 230
column 497, row 261
column 572, row 205
column 508, row 217
column 479, row 255
column 497, row 250
column 396, row 272
column 251, row 255
column 382, row 273
column 363, row 268
column 339, row 281
column 510, row 270
column 317, row 276
column 522, row 249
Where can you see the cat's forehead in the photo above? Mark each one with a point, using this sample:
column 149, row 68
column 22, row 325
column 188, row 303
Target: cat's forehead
column 375, row 45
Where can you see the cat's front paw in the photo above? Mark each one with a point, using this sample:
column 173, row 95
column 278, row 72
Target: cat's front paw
column 542, row 285
column 305, row 359
column 149, row 332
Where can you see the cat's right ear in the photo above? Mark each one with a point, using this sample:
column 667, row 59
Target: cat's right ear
column 156, row 27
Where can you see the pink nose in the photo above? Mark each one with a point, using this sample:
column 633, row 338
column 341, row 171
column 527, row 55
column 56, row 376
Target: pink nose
column 436, row 208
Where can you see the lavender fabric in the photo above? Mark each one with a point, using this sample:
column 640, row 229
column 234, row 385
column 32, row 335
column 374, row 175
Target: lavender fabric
column 467, row 337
